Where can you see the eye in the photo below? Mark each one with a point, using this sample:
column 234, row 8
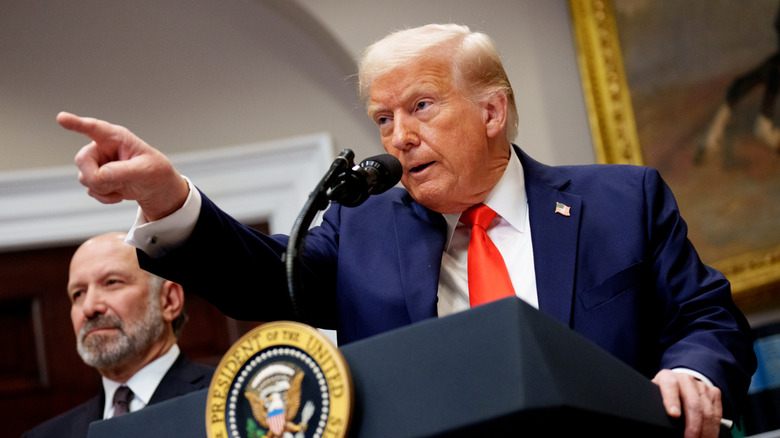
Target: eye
column 76, row 295
column 423, row 104
column 112, row 283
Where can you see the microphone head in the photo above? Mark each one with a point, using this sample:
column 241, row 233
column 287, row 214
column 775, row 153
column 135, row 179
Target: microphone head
column 372, row 176
column 389, row 172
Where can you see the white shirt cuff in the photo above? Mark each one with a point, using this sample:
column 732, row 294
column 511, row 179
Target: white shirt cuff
column 159, row 237
column 693, row 373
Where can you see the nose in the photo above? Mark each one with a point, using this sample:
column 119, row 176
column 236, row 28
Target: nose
column 93, row 303
column 405, row 132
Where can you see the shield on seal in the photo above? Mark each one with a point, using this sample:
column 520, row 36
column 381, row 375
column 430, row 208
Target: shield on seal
column 276, row 421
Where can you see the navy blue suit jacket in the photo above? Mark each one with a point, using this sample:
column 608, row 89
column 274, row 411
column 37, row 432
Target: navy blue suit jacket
column 183, row 377
column 619, row 270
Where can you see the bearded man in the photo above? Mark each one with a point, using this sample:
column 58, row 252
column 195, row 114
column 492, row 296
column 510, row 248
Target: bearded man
column 126, row 323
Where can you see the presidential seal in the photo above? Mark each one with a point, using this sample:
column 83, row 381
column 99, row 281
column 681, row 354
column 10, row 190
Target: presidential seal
column 280, row 380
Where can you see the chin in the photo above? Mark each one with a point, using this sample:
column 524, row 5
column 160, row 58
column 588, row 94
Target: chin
column 436, row 206
column 434, row 197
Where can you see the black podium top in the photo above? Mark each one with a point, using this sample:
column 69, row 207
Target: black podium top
column 500, row 367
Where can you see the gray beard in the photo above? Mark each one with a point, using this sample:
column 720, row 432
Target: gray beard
column 105, row 351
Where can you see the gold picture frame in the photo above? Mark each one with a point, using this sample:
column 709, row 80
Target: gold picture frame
column 754, row 275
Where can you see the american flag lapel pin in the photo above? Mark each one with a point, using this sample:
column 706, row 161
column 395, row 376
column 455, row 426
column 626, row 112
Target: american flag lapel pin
column 562, row 209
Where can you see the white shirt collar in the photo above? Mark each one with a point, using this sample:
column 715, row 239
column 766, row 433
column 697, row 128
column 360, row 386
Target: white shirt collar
column 143, row 383
column 508, row 199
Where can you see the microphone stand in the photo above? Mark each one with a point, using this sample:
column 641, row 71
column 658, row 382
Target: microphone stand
column 318, row 200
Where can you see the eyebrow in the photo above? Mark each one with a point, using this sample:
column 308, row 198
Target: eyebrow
column 373, row 109
column 416, row 89
column 112, row 272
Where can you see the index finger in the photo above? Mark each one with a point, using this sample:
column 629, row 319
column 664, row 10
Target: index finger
column 670, row 392
column 95, row 129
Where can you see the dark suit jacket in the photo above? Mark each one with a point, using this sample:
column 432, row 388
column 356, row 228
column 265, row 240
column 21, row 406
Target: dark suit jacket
column 183, row 377
column 619, row 270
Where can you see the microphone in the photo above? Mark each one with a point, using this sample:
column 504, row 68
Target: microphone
column 343, row 182
column 372, row 176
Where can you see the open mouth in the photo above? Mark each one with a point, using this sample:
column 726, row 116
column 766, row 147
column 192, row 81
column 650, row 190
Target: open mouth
column 421, row 167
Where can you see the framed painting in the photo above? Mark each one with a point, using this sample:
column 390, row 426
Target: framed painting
column 689, row 87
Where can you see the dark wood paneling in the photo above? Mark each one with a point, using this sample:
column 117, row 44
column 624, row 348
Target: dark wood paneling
column 21, row 365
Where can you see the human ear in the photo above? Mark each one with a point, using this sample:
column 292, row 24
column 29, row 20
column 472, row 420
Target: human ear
column 171, row 300
column 494, row 111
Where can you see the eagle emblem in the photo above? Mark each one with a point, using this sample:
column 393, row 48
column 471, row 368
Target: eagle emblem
column 274, row 395
column 271, row 384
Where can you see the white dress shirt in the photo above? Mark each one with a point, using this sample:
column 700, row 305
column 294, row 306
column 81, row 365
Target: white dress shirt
column 143, row 383
column 510, row 231
column 161, row 236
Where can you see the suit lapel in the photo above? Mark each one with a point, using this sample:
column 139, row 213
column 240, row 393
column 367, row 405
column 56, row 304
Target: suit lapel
column 183, row 377
column 554, row 236
column 420, row 237
column 92, row 411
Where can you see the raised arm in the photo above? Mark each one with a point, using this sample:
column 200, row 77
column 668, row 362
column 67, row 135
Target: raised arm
column 118, row 165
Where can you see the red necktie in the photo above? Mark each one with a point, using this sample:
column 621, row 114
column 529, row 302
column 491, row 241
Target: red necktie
column 488, row 276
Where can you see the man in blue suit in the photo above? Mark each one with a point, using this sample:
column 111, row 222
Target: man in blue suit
column 126, row 323
column 601, row 248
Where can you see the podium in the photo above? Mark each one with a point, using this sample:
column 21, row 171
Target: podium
column 501, row 369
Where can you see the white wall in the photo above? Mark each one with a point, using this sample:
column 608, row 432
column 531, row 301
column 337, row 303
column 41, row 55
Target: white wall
column 184, row 75
column 196, row 76
column 535, row 40
column 215, row 73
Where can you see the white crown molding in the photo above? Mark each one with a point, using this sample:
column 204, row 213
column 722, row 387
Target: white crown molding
column 262, row 181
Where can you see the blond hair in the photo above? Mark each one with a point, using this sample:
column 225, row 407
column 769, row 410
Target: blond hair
column 476, row 65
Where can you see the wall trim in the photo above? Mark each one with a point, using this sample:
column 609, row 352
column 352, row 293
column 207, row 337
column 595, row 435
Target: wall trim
column 253, row 182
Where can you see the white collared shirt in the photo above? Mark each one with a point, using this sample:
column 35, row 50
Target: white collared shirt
column 510, row 231
column 143, row 383
column 161, row 236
